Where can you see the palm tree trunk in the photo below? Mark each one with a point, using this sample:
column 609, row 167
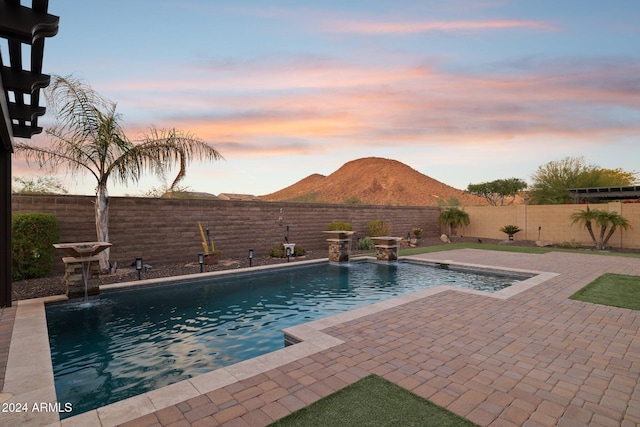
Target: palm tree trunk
column 603, row 229
column 587, row 224
column 606, row 240
column 102, row 223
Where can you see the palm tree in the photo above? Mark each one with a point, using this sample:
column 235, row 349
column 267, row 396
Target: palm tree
column 605, row 220
column 87, row 138
column 586, row 217
column 613, row 220
column 454, row 218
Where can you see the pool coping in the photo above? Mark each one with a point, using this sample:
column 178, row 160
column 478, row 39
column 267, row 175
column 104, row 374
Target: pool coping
column 30, row 378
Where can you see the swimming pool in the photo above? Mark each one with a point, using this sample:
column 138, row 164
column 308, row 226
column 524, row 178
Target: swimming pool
column 132, row 341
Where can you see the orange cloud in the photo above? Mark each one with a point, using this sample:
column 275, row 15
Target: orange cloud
column 311, row 104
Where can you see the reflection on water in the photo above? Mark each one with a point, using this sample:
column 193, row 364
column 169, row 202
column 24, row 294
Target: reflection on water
column 129, row 342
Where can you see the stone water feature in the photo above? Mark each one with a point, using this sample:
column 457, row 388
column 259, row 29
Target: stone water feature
column 81, row 266
column 386, row 247
column 339, row 246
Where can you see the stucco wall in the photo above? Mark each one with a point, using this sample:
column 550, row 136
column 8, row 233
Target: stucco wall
column 554, row 222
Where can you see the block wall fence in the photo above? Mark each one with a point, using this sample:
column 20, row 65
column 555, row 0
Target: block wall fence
column 166, row 230
column 554, row 222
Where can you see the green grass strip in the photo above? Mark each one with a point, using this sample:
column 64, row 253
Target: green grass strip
column 506, row 248
column 373, row 401
column 616, row 290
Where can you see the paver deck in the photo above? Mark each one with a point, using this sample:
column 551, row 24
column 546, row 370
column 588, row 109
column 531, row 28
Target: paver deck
column 533, row 359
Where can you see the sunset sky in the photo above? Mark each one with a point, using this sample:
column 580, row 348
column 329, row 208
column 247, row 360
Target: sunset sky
column 463, row 91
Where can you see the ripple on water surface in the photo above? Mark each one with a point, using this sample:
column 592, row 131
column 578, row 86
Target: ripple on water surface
column 129, row 342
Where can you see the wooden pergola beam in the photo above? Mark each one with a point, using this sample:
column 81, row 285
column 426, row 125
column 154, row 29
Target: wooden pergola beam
column 19, row 25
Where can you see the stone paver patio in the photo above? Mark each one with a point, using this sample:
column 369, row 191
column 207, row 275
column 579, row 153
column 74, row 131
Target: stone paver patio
column 533, row 359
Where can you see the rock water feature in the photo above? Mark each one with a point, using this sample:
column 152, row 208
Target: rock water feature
column 80, row 266
column 386, row 247
column 339, row 246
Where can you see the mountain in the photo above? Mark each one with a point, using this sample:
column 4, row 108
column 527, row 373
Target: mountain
column 373, row 180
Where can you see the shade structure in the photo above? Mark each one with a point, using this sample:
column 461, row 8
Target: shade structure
column 24, row 29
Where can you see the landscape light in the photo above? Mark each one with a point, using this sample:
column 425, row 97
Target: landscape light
column 201, row 261
column 250, row 257
column 408, row 239
column 288, row 253
column 139, row 267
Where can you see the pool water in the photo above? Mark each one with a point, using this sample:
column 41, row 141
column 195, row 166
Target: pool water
column 134, row 341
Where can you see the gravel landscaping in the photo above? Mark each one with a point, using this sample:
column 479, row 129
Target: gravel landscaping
column 53, row 284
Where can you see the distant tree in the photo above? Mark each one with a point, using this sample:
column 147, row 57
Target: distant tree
column 453, row 218
column 88, row 138
column 552, row 180
column 498, row 192
column 38, row 185
column 603, row 219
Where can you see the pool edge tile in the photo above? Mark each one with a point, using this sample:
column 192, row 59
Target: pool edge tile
column 125, row 410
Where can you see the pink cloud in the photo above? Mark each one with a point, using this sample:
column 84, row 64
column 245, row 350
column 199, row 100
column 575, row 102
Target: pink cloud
column 310, row 104
column 373, row 27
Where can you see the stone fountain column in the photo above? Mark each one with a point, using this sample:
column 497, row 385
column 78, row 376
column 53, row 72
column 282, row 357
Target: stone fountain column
column 81, row 265
column 339, row 246
column 74, row 276
column 386, row 248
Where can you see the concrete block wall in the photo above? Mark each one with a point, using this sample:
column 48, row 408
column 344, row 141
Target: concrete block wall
column 166, row 230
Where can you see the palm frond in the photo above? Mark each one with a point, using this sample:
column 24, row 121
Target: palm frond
column 159, row 150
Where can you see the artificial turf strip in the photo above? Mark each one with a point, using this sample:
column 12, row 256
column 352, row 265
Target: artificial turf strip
column 372, row 401
column 617, row 290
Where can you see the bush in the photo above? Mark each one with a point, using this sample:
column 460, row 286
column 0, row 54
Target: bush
column 365, row 244
column 510, row 229
column 339, row 226
column 278, row 251
column 353, row 200
column 378, row 228
column 573, row 244
column 32, row 251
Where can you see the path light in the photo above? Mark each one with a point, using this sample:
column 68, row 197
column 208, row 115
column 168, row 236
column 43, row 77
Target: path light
column 288, row 253
column 539, row 229
column 250, row 257
column 408, row 239
column 139, row 267
column 201, row 261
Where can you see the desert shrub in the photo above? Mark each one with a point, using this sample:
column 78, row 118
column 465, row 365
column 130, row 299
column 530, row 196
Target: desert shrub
column 278, row 251
column 573, row 244
column 353, row 200
column 378, row 228
column 339, row 226
column 365, row 244
column 32, row 251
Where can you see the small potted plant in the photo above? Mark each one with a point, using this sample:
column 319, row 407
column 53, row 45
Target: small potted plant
column 211, row 256
column 510, row 230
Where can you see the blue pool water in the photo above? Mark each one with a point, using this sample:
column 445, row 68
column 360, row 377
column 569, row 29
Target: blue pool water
column 134, row 341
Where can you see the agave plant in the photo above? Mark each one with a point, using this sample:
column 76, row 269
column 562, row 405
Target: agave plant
column 207, row 242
